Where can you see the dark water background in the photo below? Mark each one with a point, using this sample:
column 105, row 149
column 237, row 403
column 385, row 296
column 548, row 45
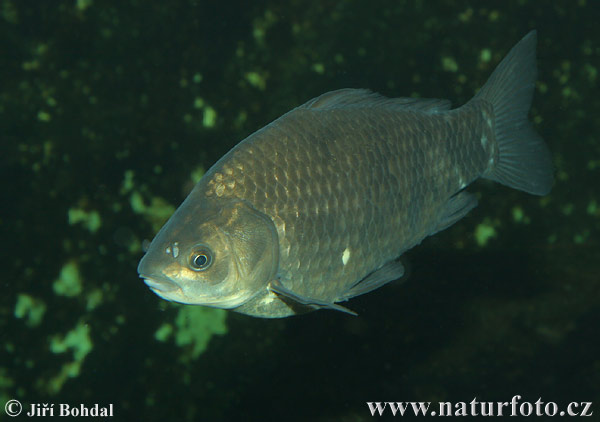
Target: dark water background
column 91, row 91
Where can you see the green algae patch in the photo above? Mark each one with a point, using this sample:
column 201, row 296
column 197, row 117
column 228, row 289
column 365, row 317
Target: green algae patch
column 484, row 232
column 156, row 213
column 164, row 332
column 580, row 238
column 31, row 309
column 449, row 64
column 486, row 55
column 198, row 102
column 79, row 343
column 318, row 68
column 81, row 5
column 194, row 327
column 77, row 340
column 89, row 219
column 197, row 174
column 128, row 184
column 209, row 117
column 69, row 281
column 261, row 25
column 256, row 80
column 592, row 208
column 519, row 215
column 93, row 299
column 44, row 116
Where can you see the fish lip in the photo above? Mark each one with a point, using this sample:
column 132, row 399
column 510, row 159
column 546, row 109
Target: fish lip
column 163, row 286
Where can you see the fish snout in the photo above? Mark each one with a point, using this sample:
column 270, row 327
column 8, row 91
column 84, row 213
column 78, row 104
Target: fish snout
column 162, row 286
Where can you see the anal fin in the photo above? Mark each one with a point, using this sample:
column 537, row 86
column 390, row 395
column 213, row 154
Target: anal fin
column 391, row 271
column 456, row 208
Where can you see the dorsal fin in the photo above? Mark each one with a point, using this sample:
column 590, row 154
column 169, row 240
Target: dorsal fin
column 349, row 97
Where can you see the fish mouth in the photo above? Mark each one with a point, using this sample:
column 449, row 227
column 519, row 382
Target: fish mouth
column 160, row 286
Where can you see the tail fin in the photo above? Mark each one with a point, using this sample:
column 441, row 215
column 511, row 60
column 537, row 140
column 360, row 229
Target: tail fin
column 524, row 160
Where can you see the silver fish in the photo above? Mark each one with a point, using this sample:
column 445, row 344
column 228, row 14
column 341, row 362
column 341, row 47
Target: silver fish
column 317, row 207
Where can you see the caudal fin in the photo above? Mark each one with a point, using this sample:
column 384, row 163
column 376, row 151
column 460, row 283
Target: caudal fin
column 524, row 159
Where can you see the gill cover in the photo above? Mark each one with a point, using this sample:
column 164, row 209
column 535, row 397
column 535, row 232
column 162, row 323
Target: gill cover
column 255, row 249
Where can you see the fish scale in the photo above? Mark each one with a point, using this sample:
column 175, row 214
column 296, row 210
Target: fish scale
column 345, row 172
column 317, row 207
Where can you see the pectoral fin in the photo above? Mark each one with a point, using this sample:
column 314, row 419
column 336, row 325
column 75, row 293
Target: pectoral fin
column 278, row 288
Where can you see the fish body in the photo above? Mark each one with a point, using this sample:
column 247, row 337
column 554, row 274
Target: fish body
column 317, row 207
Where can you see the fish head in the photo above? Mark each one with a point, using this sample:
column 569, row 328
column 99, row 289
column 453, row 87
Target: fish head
column 217, row 253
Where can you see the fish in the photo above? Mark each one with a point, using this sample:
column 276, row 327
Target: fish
column 318, row 206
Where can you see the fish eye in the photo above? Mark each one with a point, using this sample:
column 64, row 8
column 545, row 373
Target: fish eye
column 200, row 259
